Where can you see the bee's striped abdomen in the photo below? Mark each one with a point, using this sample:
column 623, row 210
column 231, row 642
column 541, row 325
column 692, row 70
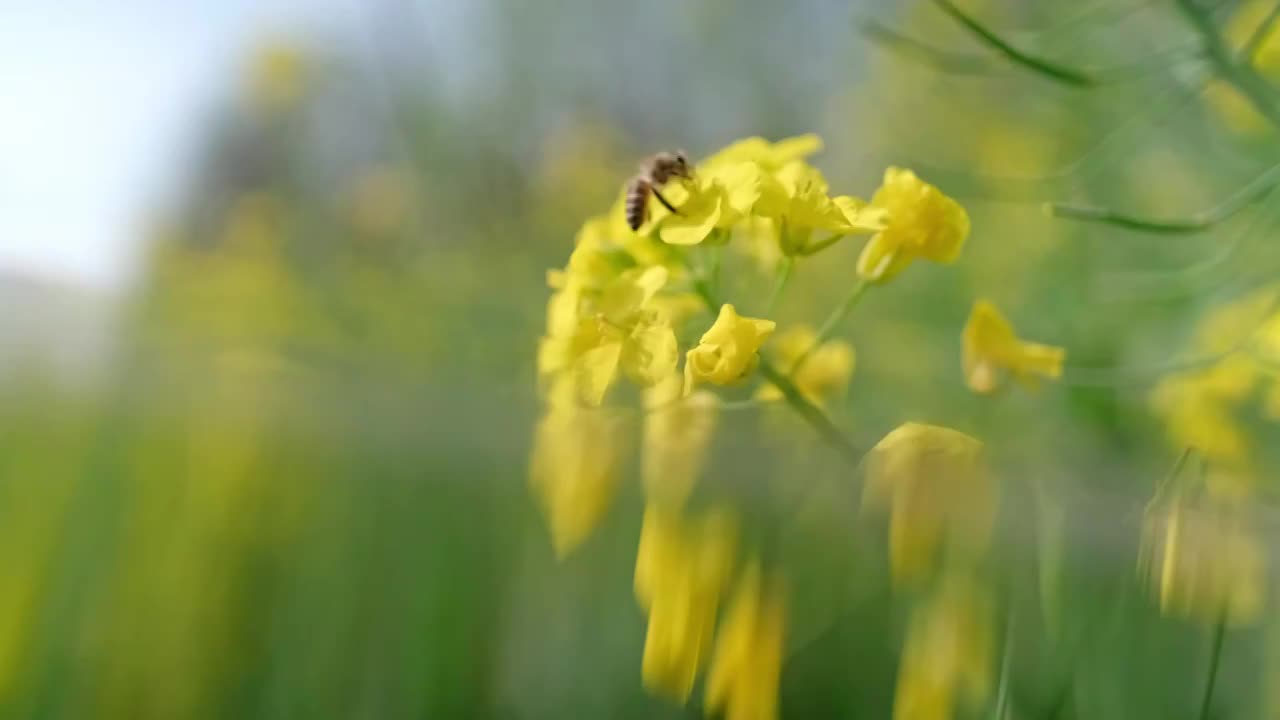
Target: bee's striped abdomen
column 637, row 200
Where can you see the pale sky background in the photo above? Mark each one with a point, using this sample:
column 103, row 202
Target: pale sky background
column 102, row 106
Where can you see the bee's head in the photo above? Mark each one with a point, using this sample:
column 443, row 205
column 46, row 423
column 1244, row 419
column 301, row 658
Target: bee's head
column 683, row 168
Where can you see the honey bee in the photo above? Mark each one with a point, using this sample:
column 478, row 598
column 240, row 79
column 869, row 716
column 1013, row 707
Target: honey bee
column 655, row 171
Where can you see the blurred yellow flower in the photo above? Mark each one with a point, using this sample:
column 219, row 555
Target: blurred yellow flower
column 277, row 75
column 826, row 370
column 1198, row 409
column 1204, row 560
column 747, row 664
column 592, row 336
column 990, row 346
column 378, row 201
column 947, row 655
column 677, row 432
column 921, row 223
column 682, row 567
column 769, row 156
column 574, row 467
column 1236, row 110
column 727, row 352
column 935, row 484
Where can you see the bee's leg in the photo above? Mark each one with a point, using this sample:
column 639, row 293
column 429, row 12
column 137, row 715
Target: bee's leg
column 664, row 202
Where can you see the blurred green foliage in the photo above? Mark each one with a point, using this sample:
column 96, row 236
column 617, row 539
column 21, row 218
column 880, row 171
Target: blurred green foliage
column 302, row 490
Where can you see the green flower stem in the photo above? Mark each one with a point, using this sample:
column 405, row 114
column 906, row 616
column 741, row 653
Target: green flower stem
column 1226, row 64
column 811, row 413
column 785, row 267
column 833, row 321
column 1048, row 68
column 1215, row 656
column 1253, row 192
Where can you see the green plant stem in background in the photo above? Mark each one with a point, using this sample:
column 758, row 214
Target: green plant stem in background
column 1225, row 63
column 783, row 277
column 1254, row 191
column 811, row 413
column 1052, row 70
column 1215, row 656
column 833, row 321
column 1259, row 36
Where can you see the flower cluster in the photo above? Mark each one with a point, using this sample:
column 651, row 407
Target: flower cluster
column 630, row 304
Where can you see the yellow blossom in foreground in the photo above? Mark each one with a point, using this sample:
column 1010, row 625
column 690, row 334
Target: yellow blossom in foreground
column 935, row 484
column 682, row 567
column 574, row 469
column 718, row 197
column 747, row 665
column 825, row 372
column 990, row 347
column 728, row 352
column 921, row 223
column 677, row 432
column 947, row 655
column 1204, row 560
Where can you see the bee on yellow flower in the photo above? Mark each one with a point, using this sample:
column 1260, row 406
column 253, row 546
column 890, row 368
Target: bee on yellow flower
column 940, row 497
column 990, row 347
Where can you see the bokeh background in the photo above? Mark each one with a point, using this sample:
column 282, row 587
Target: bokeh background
column 272, row 277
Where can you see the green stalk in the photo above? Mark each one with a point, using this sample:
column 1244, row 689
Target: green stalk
column 1048, row 68
column 1242, row 77
column 1219, row 631
column 833, row 321
column 780, row 282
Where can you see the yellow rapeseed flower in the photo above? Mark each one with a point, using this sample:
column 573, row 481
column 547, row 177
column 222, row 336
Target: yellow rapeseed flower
column 947, row 655
column 990, row 347
column 682, row 567
column 826, row 370
column 769, row 156
column 574, row 469
column 935, row 484
column 677, row 432
column 921, row 223
column 746, row 667
column 1198, row 409
column 728, row 352
column 1204, row 560
column 796, row 200
column 718, row 197
column 592, row 335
